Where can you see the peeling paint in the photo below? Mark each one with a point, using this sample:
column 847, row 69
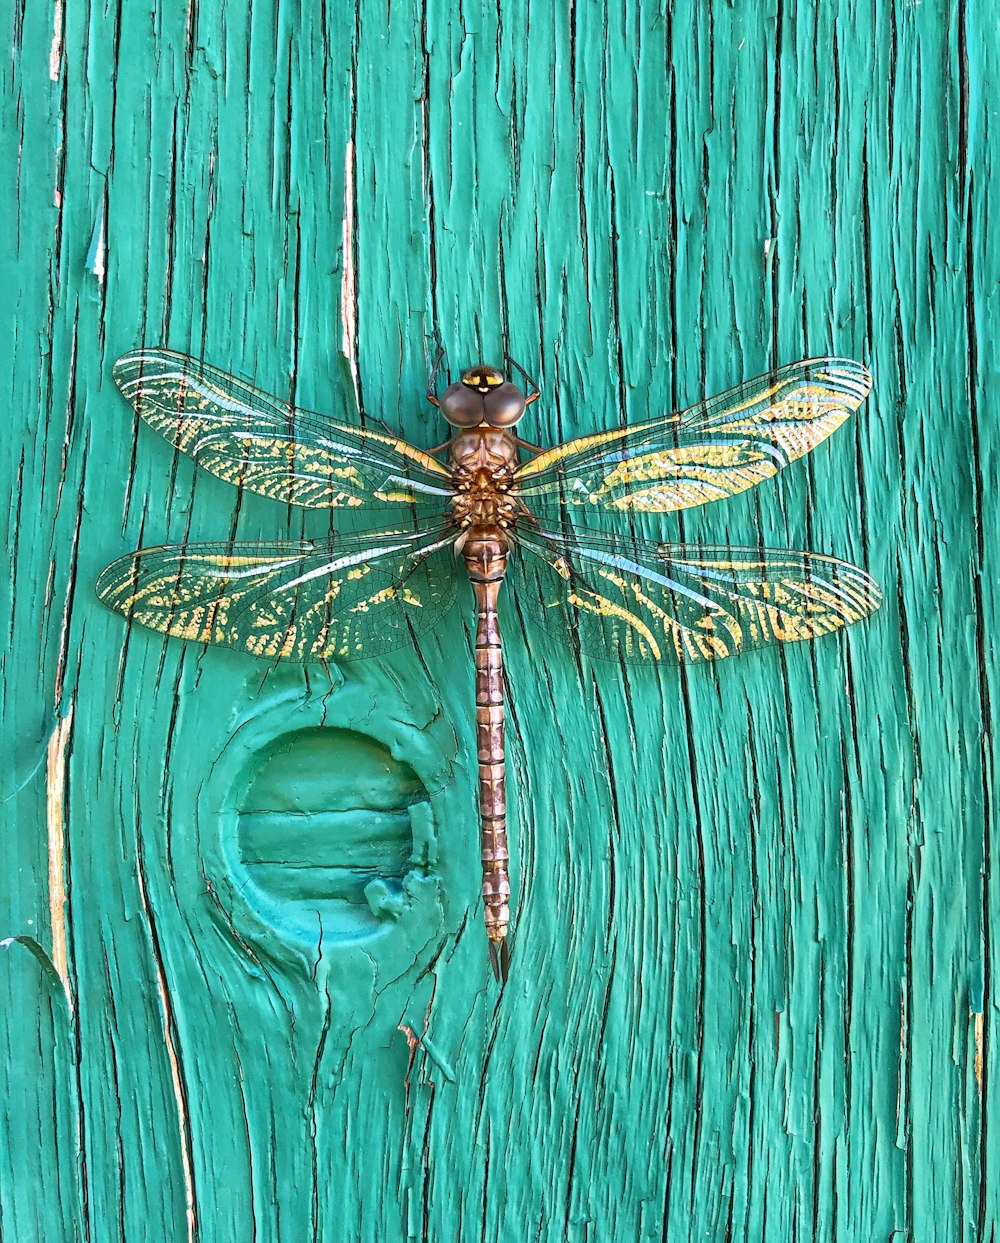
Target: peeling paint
column 980, row 1027
column 96, row 255
column 348, row 289
column 56, row 50
column 55, row 808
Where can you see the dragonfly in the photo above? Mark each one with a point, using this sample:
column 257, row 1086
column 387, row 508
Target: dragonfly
column 510, row 511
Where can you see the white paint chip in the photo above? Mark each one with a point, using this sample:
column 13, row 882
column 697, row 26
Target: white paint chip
column 96, row 254
column 348, row 285
column 55, row 52
column 55, row 805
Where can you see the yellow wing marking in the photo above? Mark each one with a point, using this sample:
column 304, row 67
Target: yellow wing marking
column 627, row 598
column 363, row 596
column 407, row 450
column 797, row 426
column 255, row 440
column 604, row 607
column 713, row 450
column 710, row 646
column 387, row 593
column 208, row 395
column 573, row 448
column 698, row 474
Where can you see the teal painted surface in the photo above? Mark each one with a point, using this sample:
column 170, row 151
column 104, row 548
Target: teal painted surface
column 765, row 1022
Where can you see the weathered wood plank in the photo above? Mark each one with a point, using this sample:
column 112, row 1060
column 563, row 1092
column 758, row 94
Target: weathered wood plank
column 777, row 1018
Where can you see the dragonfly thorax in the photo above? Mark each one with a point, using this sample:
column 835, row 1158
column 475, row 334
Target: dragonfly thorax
column 483, row 462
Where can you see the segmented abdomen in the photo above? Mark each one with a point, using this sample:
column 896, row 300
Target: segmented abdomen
column 486, row 561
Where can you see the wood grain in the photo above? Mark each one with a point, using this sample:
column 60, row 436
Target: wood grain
column 753, row 990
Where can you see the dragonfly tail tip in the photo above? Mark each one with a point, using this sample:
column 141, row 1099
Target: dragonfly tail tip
column 500, row 960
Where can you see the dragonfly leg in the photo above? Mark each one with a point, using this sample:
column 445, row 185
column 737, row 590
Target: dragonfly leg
column 535, row 391
column 432, row 379
column 526, row 444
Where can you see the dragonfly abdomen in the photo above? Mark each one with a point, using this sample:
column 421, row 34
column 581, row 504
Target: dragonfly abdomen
column 485, row 554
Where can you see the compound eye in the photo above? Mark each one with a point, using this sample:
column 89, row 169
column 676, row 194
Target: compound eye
column 462, row 406
column 504, row 405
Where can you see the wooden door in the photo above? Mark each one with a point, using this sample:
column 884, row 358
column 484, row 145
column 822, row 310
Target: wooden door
column 245, row 990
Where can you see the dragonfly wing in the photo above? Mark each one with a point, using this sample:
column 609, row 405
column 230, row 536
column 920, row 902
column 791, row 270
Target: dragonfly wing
column 716, row 449
column 633, row 601
column 257, row 441
column 339, row 599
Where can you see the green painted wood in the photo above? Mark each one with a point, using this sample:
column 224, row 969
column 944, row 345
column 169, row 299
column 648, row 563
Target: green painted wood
column 754, row 989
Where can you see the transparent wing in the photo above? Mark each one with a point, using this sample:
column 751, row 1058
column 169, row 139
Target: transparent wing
column 340, row 599
column 713, row 450
column 257, row 441
column 623, row 599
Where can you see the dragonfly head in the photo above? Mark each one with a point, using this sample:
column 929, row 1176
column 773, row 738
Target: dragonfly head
column 483, row 396
column 482, row 379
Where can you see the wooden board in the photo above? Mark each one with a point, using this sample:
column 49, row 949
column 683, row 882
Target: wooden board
column 251, row 997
